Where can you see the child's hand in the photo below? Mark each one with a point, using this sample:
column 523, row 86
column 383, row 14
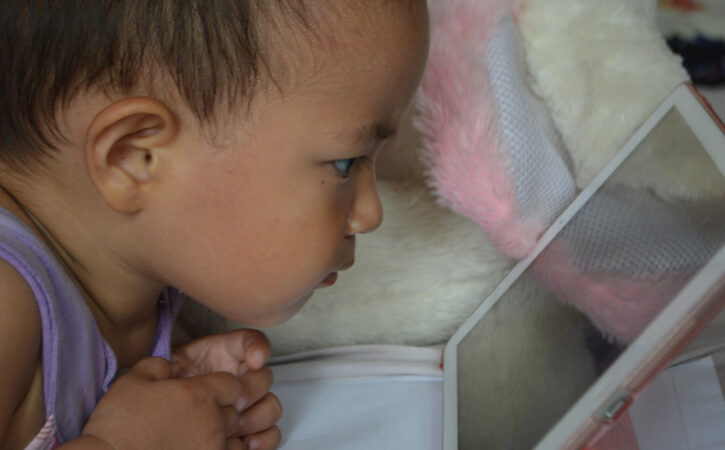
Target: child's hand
column 149, row 408
column 242, row 353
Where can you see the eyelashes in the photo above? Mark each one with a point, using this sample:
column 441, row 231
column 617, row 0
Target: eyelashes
column 346, row 167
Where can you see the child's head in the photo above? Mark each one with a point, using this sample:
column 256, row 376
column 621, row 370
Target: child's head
column 224, row 147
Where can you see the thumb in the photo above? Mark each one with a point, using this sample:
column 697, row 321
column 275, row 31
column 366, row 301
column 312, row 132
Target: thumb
column 252, row 347
column 249, row 347
column 224, row 352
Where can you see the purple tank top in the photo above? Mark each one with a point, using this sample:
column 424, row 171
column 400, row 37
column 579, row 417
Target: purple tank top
column 78, row 365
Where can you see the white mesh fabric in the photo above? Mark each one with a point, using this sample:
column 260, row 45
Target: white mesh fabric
column 633, row 233
column 543, row 182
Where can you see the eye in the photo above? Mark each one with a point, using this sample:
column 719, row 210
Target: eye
column 344, row 166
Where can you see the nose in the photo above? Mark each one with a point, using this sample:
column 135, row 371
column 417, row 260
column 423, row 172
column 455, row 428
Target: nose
column 366, row 214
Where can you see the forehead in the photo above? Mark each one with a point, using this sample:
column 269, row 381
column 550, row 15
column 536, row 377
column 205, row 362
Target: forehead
column 343, row 41
column 360, row 68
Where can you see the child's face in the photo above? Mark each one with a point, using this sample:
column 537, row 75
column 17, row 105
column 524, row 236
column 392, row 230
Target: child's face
column 254, row 228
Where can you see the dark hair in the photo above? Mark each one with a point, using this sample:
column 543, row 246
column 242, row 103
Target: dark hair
column 50, row 50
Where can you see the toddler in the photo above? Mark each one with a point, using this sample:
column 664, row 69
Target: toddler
column 222, row 147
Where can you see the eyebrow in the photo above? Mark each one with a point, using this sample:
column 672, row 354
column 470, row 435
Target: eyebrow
column 376, row 131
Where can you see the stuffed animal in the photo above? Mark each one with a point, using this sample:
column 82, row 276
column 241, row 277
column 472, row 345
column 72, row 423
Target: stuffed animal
column 515, row 171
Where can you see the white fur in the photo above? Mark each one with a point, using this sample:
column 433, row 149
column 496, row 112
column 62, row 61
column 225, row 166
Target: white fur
column 602, row 67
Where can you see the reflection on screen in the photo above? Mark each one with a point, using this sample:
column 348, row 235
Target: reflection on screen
column 621, row 259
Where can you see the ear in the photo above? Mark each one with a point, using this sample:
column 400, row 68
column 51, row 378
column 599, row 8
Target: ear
column 125, row 149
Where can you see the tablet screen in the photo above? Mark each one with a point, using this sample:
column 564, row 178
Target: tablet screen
column 621, row 259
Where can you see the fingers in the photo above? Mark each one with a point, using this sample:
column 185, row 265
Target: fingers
column 230, row 419
column 234, row 444
column 250, row 346
column 223, row 387
column 155, row 369
column 256, row 384
column 233, row 352
column 267, row 440
column 260, row 416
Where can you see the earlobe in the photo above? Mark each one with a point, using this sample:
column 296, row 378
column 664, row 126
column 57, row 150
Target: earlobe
column 126, row 149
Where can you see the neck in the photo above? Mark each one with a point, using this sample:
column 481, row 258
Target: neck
column 122, row 300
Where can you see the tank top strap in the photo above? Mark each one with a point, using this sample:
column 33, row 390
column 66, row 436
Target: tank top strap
column 78, row 364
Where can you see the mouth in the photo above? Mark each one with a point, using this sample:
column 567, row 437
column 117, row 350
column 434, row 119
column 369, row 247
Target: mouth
column 332, row 277
column 329, row 280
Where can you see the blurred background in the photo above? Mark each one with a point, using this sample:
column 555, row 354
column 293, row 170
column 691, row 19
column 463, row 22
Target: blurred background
column 695, row 29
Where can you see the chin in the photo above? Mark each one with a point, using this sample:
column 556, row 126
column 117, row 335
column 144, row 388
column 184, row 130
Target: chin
column 278, row 317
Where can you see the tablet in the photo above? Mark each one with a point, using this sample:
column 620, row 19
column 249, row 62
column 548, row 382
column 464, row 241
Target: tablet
column 529, row 370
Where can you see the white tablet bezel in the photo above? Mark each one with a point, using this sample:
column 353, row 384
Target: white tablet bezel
column 668, row 331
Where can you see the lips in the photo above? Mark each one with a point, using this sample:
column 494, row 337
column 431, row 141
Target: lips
column 329, row 280
column 332, row 278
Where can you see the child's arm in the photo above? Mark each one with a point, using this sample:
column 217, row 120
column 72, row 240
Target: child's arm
column 147, row 408
column 20, row 334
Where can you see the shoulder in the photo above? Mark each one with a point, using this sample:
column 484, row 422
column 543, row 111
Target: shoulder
column 20, row 341
column 19, row 315
column 17, row 302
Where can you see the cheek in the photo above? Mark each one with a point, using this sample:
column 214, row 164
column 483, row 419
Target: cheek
column 260, row 250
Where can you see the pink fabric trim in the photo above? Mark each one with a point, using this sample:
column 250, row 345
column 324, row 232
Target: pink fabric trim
column 46, row 439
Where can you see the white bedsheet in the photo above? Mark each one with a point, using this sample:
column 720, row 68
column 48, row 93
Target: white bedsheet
column 361, row 398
